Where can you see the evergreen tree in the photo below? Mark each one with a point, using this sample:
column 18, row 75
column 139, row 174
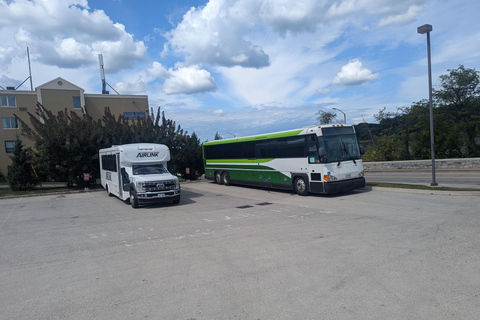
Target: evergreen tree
column 67, row 145
column 21, row 175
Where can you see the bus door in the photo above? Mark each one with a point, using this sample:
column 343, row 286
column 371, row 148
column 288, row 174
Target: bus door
column 314, row 163
column 119, row 177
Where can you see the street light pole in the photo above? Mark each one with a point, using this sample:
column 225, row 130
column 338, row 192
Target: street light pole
column 427, row 28
column 344, row 115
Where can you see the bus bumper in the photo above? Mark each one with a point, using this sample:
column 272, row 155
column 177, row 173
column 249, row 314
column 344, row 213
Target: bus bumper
column 337, row 186
column 147, row 197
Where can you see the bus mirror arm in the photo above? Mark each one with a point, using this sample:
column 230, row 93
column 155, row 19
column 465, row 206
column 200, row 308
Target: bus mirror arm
column 362, row 150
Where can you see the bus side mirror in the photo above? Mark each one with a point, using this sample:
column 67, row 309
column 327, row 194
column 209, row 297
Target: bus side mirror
column 362, row 150
column 321, row 152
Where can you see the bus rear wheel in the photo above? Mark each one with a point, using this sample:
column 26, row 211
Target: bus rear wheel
column 218, row 177
column 300, row 186
column 226, row 178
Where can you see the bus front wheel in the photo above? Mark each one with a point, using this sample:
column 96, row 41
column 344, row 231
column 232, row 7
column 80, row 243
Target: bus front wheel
column 218, row 177
column 300, row 186
column 133, row 199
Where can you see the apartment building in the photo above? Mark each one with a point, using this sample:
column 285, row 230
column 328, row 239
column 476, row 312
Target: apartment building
column 56, row 95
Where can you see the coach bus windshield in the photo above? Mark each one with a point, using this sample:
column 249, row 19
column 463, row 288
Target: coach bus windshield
column 340, row 145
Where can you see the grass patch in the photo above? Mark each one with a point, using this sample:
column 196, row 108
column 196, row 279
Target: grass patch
column 416, row 186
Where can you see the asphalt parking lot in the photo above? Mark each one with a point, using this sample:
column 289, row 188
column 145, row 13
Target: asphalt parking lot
column 241, row 253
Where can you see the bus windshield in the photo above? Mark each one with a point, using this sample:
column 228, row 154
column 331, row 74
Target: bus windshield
column 340, row 147
column 144, row 169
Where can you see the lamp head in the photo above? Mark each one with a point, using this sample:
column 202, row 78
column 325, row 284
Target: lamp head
column 426, row 28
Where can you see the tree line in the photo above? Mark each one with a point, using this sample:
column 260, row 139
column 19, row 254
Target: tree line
column 66, row 145
column 405, row 133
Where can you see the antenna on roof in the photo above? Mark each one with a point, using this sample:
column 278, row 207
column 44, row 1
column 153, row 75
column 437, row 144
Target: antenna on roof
column 29, row 70
column 102, row 75
column 30, row 76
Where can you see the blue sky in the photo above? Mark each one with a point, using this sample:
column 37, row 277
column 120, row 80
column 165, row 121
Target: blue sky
column 242, row 67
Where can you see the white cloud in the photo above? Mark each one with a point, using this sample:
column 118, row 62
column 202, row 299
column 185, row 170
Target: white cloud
column 214, row 35
column 158, row 71
column 188, row 80
column 295, row 16
column 219, row 112
column 131, row 88
column 353, row 73
column 220, row 33
column 65, row 33
column 401, row 18
column 323, row 91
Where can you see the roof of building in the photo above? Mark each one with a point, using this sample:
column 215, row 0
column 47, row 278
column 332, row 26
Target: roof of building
column 59, row 84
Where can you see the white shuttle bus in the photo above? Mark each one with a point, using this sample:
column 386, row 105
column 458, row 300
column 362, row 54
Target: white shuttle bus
column 138, row 173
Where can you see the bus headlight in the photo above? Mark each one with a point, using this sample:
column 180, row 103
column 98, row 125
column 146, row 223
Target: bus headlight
column 328, row 178
column 360, row 175
column 140, row 186
column 177, row 184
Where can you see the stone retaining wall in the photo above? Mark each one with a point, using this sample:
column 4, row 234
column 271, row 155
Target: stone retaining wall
column 441, row 164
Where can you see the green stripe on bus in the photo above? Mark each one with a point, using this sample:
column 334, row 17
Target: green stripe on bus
column 255, row 138
column 238, row 167
column 238, row 161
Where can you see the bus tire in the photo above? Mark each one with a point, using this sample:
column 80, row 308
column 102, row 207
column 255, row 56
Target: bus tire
column 300, row 186
column 176, row 200
column 218, row 177
column 108, row 191
column 133, row 198
column 226, row 178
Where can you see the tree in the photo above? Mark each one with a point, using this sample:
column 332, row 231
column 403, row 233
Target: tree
column 66, row 144
column 21, row 175
column 459, row 99
column 387, row 148
column 217, row 136
column 325, row 117
column 191, row 157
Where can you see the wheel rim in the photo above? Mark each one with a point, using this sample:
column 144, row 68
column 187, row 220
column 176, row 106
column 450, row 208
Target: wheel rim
column 132, row 197
column 301, row 187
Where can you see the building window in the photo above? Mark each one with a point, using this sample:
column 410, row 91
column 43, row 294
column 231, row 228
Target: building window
column 9, row 145
column 8, row 101
column 76, row 103
column 10, row 123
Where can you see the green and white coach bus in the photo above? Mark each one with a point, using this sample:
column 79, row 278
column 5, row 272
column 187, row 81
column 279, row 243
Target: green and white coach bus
column 318, row 159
